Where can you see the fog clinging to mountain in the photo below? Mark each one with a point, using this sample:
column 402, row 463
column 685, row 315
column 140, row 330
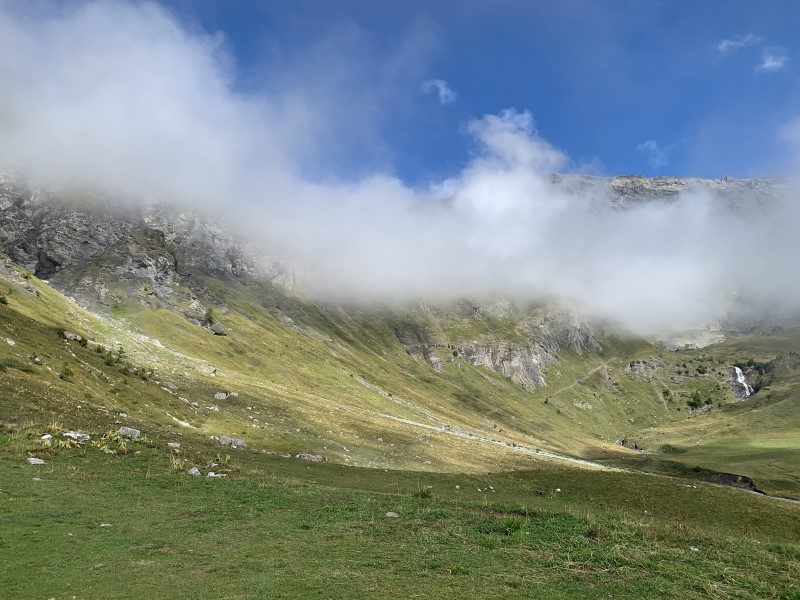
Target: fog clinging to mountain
column 122, row 98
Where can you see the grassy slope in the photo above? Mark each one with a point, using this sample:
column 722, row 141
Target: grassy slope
column 350, row 392
column 758, row 436
column 286, row 529
column 341, row 385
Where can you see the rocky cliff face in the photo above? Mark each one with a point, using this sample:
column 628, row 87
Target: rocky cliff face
column 100, row 252
column 545, row 334
column 498, row 335
column 624, row 191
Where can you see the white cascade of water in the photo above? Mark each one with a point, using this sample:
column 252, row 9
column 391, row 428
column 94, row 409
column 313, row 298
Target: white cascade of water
column 740, row 379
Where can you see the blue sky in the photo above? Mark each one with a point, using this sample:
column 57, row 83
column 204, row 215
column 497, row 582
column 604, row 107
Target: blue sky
column 622, row 87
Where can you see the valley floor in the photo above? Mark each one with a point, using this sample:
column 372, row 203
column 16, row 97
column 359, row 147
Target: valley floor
column 93, row 525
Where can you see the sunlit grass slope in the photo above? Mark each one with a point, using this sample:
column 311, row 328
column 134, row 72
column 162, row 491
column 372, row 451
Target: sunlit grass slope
column 313, row 379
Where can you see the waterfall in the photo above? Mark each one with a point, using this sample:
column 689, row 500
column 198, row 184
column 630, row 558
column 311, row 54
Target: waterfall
column 740, row 379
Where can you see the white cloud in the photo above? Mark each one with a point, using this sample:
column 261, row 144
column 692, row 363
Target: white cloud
column 121, row 96
column 727, row 47
column 657, row 155
column 773, row 60
column 442, row 90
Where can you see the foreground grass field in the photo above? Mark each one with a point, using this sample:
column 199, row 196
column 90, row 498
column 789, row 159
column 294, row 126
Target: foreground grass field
column 92, row 525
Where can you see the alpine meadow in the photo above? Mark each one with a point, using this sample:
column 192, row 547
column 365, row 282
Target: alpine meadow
column 399, row 300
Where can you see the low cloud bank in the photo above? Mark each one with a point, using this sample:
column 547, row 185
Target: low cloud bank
column 122, row 97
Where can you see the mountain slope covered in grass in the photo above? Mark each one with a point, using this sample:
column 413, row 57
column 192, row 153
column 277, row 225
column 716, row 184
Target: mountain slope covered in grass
column 517, row 449
column 348, row 385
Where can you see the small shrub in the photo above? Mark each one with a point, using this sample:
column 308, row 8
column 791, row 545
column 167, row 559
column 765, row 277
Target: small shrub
column 670, row 449
column 509, row 526
column 593, row 532
column 425, row 493
column 697, row 401
column 222, row 460
column 3, row 299
column 177, row 464
column 111, row 443
column 65, row 443
column 66, row 373
column 210, row 317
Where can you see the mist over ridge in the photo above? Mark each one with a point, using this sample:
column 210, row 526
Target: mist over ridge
column 122, row 98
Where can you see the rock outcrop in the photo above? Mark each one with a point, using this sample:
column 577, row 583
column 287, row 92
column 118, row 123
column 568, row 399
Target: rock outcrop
column 103, row 252
column 627, row 190
column 523, row 364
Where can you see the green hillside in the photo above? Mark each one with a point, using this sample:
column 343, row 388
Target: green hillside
column 338, row 383
column 500, row 489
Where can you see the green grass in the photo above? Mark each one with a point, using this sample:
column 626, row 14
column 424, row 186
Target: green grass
column 288, row 529
column 757, row 436
column 479, row 517
column 338, row 383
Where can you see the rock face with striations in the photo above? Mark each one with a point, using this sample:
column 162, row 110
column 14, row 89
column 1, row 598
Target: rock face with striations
column 517, row 343
column 100, row 252
column 545, row 333
column 627, row 190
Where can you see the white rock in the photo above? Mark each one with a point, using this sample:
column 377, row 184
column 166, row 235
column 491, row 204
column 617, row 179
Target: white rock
column 10, row 342
column 129, row 432
column 310, row 457
column 174, row 445
column 207, row 369
column 77, row 435
column 220, row 396
column 233, row 442
column 392, row 515
column 35, row 461
column 47, row 436
column 194, row 471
